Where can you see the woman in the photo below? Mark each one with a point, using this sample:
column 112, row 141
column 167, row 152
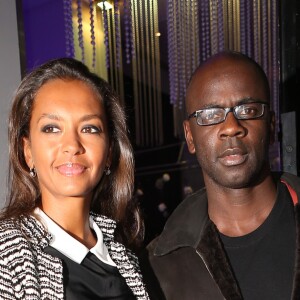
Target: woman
column 70, row 220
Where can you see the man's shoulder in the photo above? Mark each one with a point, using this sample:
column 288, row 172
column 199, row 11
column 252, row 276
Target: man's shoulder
column 291, row 179
column 190, row 206
column 151, row 246
column 184, row 226
column 293, row 184
column 197, row 198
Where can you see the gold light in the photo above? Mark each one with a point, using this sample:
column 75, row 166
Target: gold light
column 104, row 5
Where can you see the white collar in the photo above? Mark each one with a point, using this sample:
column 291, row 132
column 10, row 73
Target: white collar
column 69, row 246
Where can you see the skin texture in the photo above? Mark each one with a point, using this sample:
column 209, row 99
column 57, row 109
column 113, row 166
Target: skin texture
column 69, row 148
column 233, row 155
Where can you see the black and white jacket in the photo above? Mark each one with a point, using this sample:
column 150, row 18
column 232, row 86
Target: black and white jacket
column 27, row 272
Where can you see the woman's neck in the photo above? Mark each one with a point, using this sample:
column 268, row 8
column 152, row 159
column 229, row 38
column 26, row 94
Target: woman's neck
column 72, row 215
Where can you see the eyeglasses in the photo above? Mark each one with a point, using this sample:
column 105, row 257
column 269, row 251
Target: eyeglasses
column 216, row 115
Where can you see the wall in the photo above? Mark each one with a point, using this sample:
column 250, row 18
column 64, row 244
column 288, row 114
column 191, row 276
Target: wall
column 10, row 76
column 43, row 31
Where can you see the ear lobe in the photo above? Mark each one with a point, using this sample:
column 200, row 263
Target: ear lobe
column 189, row 137
column 27, row 152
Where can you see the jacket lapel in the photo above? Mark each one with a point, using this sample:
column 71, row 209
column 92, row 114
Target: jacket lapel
column 124, row 259
column 48, row 278
column 211, row 250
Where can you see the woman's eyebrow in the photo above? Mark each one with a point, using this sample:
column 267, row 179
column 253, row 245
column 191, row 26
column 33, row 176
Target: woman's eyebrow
column 56, row 117
column 49, row 116
column 91, row 116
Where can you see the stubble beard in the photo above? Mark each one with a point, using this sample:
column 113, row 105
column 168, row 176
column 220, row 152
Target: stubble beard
column 236, row 177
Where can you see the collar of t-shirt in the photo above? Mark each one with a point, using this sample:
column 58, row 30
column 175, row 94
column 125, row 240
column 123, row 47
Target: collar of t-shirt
column 69, row 246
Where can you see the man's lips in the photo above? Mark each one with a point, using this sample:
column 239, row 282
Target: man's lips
column 71, row 169
column 233, row 157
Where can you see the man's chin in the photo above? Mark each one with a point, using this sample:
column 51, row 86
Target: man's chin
column 234, row 180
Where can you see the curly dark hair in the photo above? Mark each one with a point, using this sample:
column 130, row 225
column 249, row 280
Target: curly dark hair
column 113, row 196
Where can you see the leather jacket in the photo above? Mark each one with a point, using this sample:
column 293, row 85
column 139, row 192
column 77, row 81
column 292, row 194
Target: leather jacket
column 187, row 261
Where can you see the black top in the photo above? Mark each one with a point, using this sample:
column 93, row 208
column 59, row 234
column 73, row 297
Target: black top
column 263, row 261
column 92, row 279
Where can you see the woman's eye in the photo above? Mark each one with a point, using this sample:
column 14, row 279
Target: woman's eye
column 91, row 129
column 50, row 129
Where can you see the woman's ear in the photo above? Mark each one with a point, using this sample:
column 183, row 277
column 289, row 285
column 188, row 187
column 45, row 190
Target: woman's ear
column 27, row 152
column 189, row 136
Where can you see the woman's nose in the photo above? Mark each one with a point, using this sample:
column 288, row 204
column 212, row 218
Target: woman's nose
column 71, row 144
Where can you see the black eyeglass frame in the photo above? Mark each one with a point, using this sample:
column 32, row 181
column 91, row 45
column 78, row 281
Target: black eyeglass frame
column 228, row 110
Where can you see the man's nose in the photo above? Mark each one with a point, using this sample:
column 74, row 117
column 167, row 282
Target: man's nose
column 231, row 127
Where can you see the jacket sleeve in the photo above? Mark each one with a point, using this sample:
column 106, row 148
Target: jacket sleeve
column 18, row 278
column 6, row 284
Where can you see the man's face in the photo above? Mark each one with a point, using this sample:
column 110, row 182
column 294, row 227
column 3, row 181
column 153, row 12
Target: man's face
column 234, row 153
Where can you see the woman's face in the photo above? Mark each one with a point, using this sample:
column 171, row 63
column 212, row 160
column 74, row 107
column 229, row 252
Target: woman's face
column 68, row 143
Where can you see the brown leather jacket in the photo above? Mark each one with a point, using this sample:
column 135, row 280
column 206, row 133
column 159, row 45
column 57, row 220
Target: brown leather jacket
column 187, row 261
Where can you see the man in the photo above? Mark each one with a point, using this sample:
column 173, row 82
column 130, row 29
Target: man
column 237, row 237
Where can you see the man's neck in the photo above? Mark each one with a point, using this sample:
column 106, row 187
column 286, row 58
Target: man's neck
column 237, row 212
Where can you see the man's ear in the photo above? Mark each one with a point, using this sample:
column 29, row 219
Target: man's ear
column 27, row 152
column 272, row 127
column 188, row 136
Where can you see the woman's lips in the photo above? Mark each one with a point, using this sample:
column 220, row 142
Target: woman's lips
column 71, row 169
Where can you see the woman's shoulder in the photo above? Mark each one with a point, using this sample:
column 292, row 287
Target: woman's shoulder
column 11, row 237
column 17, row 232
column 106, row 224
column 9, row 226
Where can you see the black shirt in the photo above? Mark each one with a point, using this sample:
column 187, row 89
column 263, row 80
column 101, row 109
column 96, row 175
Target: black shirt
column 91, row 279
column 263, row 261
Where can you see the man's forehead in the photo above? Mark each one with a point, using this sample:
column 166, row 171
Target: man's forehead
column 223, row 66
column 226, row 77
column 227, row 61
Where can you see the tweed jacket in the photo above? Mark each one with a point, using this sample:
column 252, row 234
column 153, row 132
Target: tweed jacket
column 187, row 261
column 27, row 272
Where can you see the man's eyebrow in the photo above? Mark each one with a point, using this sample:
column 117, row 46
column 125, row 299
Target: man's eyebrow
column 250, row 100
column 211, row 105
column 239, row 102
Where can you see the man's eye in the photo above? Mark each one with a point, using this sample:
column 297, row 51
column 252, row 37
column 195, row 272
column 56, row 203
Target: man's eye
column 212, row 114
column 50, row 129
column 91, row 129
column 248, row 111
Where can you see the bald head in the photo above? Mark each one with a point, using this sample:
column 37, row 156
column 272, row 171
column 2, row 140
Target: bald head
column 231, row 82
column 225, row 69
